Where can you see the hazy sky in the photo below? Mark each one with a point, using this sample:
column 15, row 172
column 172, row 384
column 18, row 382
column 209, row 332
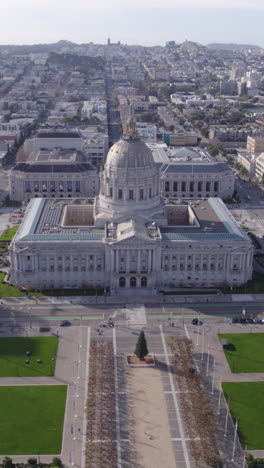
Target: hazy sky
column 146, row 22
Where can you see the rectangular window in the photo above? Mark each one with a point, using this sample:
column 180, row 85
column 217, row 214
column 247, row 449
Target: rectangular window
column 111, row 192
column 141, row 194
column 130, row 194
column 191, row 186
column 120, row 194
column 183, row 186
column 77, row 186
column 150, row 192
column 27, row 187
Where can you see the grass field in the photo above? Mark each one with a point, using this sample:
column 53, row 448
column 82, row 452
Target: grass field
column 8, row 234
column 32, row 419
column 13, row 356
column 7, row 290
column 247, row 406
column 246, row 353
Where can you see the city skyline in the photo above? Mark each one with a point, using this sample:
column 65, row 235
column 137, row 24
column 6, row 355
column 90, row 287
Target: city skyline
column 139, row 22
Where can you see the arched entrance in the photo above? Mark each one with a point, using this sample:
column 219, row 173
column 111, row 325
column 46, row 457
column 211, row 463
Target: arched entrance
column 122, row 282
column 133, row 282
column 144, row 282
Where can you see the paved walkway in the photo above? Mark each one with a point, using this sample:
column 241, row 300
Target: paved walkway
column 136, row 316
column 222, row 372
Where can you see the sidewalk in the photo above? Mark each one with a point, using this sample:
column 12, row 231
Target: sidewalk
column 136, row 299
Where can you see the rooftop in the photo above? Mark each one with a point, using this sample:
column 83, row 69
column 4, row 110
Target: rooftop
column 58, row 134
column 64, row 219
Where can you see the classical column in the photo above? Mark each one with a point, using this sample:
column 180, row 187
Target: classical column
column 149, row 261
column 139, row 261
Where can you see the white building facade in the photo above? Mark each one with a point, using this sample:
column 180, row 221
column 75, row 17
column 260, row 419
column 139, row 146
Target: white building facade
column 129, row 238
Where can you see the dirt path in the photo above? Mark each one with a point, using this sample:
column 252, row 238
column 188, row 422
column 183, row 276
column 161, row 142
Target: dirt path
column 153, row 444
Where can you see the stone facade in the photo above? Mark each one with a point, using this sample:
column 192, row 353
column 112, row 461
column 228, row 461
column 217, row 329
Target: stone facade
column 129, row 237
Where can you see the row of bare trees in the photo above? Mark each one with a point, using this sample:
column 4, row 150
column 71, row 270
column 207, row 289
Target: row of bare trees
column 101, row 424
column 199, row 420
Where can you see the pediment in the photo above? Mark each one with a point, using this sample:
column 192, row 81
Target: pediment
column 134, row 240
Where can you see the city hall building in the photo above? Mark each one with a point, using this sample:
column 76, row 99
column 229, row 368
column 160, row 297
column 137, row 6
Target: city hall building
column 129, row 237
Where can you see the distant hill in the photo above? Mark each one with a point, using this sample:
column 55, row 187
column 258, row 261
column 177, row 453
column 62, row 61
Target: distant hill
column 219, row 46
column 37, row 48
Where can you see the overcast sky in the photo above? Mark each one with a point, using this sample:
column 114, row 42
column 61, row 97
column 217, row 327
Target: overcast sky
column 146, row 22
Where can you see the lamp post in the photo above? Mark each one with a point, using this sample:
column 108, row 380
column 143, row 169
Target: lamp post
column 198, row 330
column 220, row 394
column 234, row 443
column 244, row 459
column 212, row 391
column 202, row 346
column 208, row 359
column 226, row 419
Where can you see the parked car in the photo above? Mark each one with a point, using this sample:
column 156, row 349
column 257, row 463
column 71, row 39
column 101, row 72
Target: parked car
column 65, row 323
column 235, row 320
column 256, row 320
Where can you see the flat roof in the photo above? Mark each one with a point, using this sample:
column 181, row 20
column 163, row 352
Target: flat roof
column 45, row 220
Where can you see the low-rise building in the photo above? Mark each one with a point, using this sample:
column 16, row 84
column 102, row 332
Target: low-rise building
column 50, row 139
column 248, row 161
column 56, row 173
column 255, row 144
column 181, row 139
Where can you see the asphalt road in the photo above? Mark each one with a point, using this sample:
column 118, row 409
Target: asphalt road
column 52, row 315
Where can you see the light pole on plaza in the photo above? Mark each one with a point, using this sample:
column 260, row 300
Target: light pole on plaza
column 212, row 391
column 234, row 443
column 220, row 394
column 202, row 346
column 208, row 360
column 198, row 330
column 226, row 419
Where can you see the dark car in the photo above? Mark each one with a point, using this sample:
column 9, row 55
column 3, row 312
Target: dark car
column 249, row 320
column 256, row 320
column 235, row 320
column 195, row 321
column 242, row 320
column 65, row 323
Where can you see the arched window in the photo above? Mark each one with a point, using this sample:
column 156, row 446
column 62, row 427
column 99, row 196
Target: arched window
column 144, row 282
column 133, row 282
column 122, row 282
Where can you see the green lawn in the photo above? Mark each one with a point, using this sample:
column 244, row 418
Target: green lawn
column 247, row 407
column 32, row 419
column 8, row 234
column 13, row 356
column 246, row 353
column 7, row 290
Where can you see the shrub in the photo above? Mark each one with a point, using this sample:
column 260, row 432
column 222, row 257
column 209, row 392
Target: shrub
column 56, row 461
column 7, row 462
column 32, row 461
